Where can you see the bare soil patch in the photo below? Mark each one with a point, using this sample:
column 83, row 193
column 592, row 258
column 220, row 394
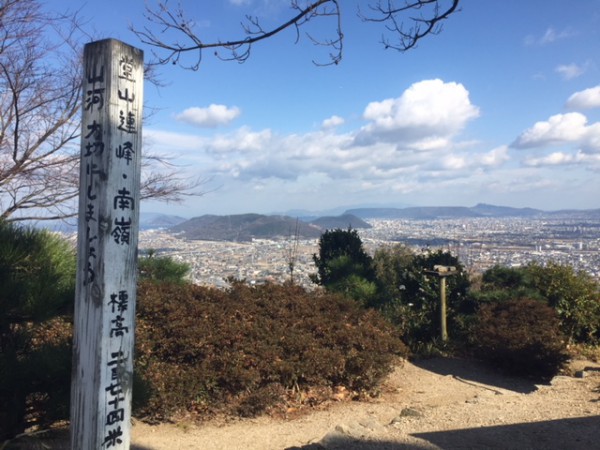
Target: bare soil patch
column 440, row 403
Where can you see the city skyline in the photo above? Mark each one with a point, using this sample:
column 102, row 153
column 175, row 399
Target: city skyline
column 502, row 107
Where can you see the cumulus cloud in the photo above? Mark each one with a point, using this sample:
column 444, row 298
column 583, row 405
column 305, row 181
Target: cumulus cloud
column 579, row 142
column 591, row 140
column 243, row 140
column 332, row 122
column 424, row 117
column 210, row 117
column 586, row 99
column 409, row 143
column 569, row 71
column 494, row 158
column 553, row 159
column 558, row 129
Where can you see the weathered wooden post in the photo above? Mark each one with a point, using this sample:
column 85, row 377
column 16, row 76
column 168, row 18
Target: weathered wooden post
column 107, row 246
column 442, row 272
column 443, row 309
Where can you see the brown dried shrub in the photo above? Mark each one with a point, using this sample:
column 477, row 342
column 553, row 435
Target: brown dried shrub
column 521, row 337
column 238, row 351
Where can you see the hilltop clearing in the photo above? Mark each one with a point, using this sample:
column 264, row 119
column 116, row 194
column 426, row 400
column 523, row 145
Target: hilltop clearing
column 429, row 404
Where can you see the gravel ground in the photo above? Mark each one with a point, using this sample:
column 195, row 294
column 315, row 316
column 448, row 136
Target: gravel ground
column 437, row 403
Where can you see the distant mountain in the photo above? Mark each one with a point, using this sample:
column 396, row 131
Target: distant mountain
column 415, row 212
column 150, row 220
column 245, row 227
column 586, row 214
column 310, row 215
column 457, row 212
column 505, row 211
column 344, row 221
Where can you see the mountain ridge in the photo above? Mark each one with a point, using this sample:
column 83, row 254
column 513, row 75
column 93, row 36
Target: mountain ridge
column 480, row 210
column 245, row 227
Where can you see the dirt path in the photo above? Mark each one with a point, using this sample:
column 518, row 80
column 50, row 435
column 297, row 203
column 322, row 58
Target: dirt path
column 430, row 404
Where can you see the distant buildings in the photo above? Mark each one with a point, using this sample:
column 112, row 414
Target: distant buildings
column 480, row 243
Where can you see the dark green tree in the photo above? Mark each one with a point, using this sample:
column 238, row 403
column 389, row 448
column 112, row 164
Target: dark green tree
column 574, row 295
column 410, row 297
column 391, row 264
column 344, row 266
column 37, row 276
column 500, row 283
column 162, row 269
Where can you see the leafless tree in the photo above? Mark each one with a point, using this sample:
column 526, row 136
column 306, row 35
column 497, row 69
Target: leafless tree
column 291, row 251
column 40, row 84
column 171, row 32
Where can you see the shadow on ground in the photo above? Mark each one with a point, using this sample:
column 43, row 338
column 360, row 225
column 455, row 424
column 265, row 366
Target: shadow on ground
column 48, row 440
column 573, row 434
column 355, row 444
column 477, row 372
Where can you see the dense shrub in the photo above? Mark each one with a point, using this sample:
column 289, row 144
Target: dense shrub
column 37, row 286
column 410, row 298
column 205, row 350
column 522, row 337
column 574, row 295
column 162, row 269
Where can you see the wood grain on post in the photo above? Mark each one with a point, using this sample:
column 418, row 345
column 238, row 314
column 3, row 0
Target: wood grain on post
column 103, row 341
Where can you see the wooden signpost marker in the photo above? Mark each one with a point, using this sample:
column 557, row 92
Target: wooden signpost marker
column 109, row 208
column 442, row 272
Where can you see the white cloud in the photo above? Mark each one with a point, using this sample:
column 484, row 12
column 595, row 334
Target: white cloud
column 591, row 141
column 550, row 35
column 586, row 99
column 424, row 117
column 558, row 129
column 332, row 122
column 495, row 157
column 454, row 162
column 409, row 145
column 580, row 142
column 553, row 159
column 210, row 117
column 396, row 149
column 569, row 71
column 243, row 140
column 591, row 161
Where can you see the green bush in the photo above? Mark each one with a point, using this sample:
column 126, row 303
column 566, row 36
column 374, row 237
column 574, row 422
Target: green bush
column 37, row 280
column 521, row 337
column 162, row 269
column 343, row 266
column 205, row 350
column 410, row 298
column 574, row 295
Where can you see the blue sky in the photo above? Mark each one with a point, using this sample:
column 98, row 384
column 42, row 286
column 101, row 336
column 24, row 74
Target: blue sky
column 502, row 107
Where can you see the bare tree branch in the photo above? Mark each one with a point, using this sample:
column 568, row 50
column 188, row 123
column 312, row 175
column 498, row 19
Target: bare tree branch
column 428, row 22
column 170, row 32
column 40, row 121
column 167, row 20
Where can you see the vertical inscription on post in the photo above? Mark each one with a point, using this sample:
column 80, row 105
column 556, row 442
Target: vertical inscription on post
column 107, row 246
